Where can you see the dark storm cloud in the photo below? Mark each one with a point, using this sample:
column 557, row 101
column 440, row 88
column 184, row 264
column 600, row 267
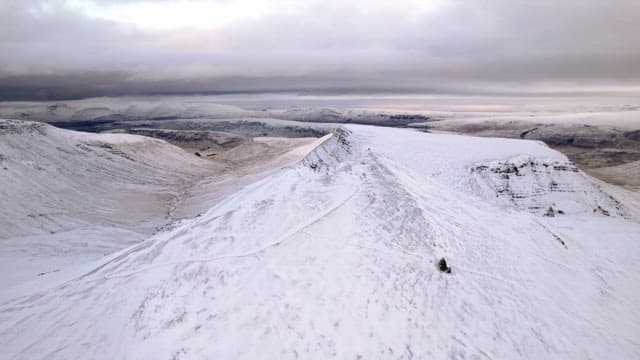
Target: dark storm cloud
column 459, row 46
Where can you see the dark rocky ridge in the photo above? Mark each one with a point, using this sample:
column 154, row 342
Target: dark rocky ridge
column 193, row 138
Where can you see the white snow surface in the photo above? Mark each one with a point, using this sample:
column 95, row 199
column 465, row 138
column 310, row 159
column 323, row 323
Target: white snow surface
column 70, row 198
column 335, row 257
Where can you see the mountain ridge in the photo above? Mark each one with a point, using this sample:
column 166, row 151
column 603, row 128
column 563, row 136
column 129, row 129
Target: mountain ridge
column 336, row 256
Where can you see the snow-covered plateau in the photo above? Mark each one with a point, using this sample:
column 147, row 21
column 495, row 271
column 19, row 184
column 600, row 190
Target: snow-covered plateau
column 332, row 256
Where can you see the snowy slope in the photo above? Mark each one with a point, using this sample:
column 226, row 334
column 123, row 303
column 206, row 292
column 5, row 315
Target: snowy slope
column 70, row 198
column 78, row 178
column 525, row 174
column 335, row 257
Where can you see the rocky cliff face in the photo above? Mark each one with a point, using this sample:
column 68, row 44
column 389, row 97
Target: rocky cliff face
column 331, row 152
column 548, row 187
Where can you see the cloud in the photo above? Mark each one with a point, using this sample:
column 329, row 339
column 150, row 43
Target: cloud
column 450, row 45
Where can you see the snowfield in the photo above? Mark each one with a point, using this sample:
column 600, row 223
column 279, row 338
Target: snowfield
column 70, row 198
column 335, row 257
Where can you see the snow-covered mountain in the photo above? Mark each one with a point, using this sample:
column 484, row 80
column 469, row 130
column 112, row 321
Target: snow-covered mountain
column 73, row 178
column 71, row 197
column 336, row 257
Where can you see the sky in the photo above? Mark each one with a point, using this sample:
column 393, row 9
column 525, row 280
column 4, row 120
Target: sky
column 77, row 48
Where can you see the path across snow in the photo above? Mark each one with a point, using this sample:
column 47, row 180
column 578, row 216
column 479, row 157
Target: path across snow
column 336, row 257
